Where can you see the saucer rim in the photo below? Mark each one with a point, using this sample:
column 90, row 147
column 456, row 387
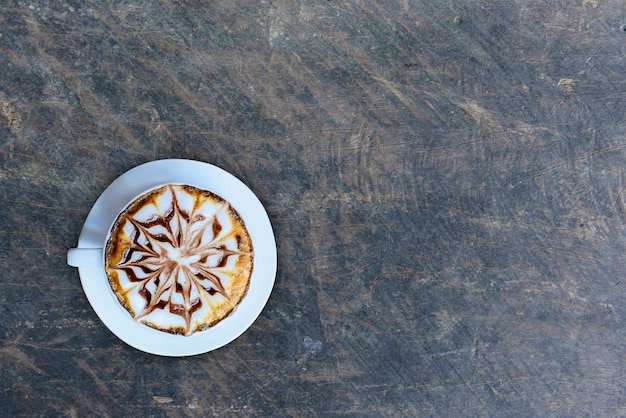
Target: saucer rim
column 205, row 176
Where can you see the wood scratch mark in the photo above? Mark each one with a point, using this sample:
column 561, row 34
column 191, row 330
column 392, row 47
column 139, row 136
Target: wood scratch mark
column 12, row 115
column 362, row 268
column 466, row 383
column 476, row 346
column 103, row 388
column 618, row 198
column 21, row 358
column 162, row 399
column 373, row 285
column 42, row 206
column 566, row 84
column 158, row 127
column 578, row 159
column 124, row 370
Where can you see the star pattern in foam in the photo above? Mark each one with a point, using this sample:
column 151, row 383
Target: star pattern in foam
column 173, row 258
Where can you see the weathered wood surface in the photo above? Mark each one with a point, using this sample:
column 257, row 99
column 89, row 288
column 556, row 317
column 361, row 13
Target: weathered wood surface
column 445, row 180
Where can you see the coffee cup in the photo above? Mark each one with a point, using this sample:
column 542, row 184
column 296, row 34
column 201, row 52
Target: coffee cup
column 178, row 258
column 94, row 234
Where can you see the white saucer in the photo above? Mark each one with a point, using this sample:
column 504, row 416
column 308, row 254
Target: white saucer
column 204, row 176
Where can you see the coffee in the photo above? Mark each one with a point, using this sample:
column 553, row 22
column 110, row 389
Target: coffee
column 179, row 259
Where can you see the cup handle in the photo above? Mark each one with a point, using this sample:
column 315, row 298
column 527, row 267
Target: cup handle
column 84, row 257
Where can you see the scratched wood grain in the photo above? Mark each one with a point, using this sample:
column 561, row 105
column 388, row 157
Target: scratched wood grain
column 445, row 181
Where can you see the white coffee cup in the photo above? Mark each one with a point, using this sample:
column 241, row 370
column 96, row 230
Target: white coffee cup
column 89, row 256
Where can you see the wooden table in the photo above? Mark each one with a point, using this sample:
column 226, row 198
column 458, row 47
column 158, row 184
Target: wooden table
column 445, row 181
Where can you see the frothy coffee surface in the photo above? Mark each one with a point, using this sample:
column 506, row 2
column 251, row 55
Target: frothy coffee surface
column 179, row 259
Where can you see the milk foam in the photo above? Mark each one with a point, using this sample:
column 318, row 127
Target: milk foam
column 179, row 259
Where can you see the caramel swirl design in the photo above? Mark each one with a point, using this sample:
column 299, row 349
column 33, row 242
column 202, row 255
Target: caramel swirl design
column 179, row 259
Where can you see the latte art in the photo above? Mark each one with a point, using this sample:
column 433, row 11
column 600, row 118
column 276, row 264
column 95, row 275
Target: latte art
column 179, row 259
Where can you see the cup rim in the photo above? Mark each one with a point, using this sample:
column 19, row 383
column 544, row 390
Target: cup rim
column 115, row 223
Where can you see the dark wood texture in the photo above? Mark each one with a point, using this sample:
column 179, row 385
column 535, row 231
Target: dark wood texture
column 445, row 180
